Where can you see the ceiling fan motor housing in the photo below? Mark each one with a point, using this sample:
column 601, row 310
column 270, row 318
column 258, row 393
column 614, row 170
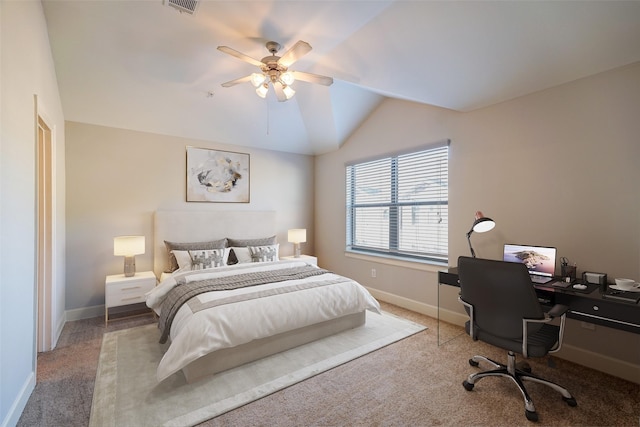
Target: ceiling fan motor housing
column 273, row 47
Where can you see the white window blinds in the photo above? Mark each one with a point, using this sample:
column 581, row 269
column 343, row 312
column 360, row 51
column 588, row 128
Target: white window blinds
column 398, row 205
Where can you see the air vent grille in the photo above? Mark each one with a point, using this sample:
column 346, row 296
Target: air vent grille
column 188, row 6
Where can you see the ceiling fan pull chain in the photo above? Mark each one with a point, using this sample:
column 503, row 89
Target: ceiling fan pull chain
column 267, row 104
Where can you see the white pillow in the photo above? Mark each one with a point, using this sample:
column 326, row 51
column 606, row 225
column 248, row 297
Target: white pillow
column 183, row 258
column 242, row 254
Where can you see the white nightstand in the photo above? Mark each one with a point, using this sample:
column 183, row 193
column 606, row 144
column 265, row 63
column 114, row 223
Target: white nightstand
column 306, row 258
column 120, row 290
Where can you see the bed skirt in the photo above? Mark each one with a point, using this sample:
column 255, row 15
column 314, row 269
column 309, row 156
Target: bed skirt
column 228, row 358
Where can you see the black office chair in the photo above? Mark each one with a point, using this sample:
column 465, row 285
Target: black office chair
column 504, row 311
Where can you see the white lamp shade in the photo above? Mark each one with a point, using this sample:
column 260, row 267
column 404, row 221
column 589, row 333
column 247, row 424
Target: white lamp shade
column 128, row 245
column 288, row 92
column 262, row 91
column 297, row 235
column 287, row 78
column 257, row 79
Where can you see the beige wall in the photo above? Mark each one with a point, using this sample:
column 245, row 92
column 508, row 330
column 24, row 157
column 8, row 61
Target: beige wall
column 559, row 167
column 117, row 178
column 26, row 72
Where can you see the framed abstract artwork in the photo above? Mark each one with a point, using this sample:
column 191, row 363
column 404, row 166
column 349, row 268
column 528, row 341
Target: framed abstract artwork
column 217, row 176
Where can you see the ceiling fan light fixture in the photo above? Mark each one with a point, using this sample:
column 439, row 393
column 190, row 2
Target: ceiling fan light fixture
column 288, row 92
column 287, row 78
column 257, row 79
column 262, row 90
column 274, row 70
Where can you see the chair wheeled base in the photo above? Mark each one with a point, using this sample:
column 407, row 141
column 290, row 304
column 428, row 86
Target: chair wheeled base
column 517, row 375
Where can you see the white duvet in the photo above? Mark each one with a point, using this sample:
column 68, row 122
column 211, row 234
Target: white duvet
column 196, row 333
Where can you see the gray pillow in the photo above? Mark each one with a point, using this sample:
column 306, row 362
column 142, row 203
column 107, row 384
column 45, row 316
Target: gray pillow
column 192, row 246
column 241, row 243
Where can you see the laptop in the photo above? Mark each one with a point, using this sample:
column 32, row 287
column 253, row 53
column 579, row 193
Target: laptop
column 540, row 260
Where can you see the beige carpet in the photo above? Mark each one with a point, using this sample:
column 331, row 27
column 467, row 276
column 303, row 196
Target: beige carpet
column 126, row 391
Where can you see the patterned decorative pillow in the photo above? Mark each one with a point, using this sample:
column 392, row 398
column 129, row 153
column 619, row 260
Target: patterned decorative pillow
column 243, row 243
column 175, row 246
column 209, row 258
column 256, row 253
column 264, row 253
column 200, row 259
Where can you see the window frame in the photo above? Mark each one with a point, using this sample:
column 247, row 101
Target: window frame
column 392, row 249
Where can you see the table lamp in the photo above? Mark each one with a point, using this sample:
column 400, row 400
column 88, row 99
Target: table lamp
column 297, row 236
column 129, row 247
column 482, row 224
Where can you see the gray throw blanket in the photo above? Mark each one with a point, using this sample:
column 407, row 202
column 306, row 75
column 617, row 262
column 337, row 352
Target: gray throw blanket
column 179, row 295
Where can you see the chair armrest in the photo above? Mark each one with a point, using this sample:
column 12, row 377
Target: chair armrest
column 471, row 319
column 558, row 310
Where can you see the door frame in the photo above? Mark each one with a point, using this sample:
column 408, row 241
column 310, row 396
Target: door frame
column 45, row 232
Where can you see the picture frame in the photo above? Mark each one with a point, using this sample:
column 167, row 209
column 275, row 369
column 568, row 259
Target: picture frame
column 217, row 176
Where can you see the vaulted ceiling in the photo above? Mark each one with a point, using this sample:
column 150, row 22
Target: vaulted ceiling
column 142, row 65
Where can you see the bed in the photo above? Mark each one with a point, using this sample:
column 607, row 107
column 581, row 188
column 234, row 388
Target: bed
column 216, row 316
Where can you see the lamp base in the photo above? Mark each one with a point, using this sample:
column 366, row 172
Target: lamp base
column 296, row 250
column 129, row 266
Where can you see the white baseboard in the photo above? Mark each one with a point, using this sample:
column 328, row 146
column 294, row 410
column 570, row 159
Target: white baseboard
column 599, row 362
column 15, row 411
column 84, row 313
column 409, row 304
column 420, row 307
column 59, row 327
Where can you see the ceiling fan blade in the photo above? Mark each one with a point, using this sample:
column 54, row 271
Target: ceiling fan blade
column 240, row 55
column 312, row 78
column 298, row 50
column 277, row 88
column 237, row 81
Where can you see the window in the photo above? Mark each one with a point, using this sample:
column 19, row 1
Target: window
column 399, row 205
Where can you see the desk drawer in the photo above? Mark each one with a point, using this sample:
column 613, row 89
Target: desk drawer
column 606, row 313
column 447, row 278
column 118, row 294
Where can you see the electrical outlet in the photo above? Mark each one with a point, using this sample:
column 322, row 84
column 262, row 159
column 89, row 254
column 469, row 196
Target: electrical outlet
column 587, row 325
column 373, row 272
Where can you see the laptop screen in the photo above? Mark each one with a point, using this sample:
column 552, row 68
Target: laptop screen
column 539, row 260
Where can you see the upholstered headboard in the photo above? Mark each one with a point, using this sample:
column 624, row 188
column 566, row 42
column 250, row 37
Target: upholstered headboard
column 198, row 226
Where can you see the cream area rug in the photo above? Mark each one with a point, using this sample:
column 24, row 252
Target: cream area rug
column 127, row 392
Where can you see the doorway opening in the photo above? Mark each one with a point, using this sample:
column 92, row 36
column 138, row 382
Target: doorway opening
column 44, row 233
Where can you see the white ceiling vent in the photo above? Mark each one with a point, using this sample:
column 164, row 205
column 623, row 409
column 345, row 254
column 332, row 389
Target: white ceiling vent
column 188, row 6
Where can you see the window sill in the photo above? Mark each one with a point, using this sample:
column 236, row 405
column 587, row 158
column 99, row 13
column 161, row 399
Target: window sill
column 397, row 261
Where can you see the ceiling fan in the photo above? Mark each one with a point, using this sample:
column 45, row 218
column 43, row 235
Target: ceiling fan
column 275, row 70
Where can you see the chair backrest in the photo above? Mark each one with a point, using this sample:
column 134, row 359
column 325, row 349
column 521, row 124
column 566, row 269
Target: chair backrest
column 501, row 293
